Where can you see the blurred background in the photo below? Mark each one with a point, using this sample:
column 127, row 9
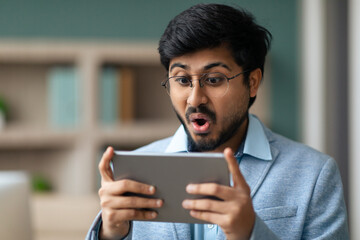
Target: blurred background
column 77, row 76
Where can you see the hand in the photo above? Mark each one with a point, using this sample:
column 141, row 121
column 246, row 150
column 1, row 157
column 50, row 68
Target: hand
column 118, row 210
column 235, row 215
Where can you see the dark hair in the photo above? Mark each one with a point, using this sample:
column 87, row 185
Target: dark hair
column 210, row 25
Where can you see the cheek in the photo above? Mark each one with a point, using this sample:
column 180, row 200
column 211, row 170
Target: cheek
column 225, row 113
column 223, row 109
column 179, row 105
column 235, row 102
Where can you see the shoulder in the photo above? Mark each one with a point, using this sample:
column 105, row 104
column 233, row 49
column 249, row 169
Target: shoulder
column 157, row 146
column 297, row 154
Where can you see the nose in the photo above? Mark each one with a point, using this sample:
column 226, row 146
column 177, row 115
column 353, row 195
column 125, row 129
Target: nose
column 197, row 95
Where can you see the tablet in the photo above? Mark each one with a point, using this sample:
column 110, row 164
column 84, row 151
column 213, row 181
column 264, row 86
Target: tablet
column 170, row 174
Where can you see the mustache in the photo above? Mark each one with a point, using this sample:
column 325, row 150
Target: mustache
column 200, row 109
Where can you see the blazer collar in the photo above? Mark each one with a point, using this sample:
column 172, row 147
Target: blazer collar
column 259, row 154
column 254, row 170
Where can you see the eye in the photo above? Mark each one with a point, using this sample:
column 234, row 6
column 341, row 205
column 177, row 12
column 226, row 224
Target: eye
column 214, row 79
column 182, row 80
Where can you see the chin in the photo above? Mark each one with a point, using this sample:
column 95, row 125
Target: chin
column 202, row 143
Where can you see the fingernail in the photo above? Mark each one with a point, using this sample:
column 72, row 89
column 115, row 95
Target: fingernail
column 151, row 189
column 159, row 203
column 193, row 213
column 153, row 215
column 186, row 203
column 190, row 188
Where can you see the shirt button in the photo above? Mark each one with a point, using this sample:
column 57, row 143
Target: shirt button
column 210, row 226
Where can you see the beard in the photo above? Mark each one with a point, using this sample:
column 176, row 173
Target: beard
column 231, row 125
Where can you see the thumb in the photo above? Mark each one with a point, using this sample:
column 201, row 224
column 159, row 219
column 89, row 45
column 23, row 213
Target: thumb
column 104, row 165
column 238, row 179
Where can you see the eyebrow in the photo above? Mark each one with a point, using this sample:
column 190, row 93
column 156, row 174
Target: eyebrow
column 207, row 67
column 178, row 65
column 217, row 64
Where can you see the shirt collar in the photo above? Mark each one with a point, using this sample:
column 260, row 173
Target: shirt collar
column 256, row 143
column 179, row 141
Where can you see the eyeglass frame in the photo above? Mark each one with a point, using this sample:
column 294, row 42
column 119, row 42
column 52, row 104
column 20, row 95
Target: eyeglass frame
column 201, row 75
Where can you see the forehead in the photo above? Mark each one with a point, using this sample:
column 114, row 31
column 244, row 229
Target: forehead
column 198, row 60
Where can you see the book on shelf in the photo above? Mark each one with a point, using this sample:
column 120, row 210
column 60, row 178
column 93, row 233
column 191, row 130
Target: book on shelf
column 127, row 88
column 63, row 97
column 116, row 95
column 108, row 93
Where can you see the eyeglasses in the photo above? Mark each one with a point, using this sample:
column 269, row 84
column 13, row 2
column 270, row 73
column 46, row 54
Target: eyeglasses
column 214, row 84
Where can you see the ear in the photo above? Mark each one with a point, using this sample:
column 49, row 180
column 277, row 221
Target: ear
column 254, row 81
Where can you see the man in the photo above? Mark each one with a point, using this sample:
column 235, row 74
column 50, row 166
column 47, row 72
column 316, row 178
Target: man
column 214, row 55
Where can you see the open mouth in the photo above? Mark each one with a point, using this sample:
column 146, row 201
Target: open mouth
column 200, row 123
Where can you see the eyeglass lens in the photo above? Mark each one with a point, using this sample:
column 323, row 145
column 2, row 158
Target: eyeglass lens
column 212, row 84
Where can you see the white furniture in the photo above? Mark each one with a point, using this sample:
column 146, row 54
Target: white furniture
column 15, row 219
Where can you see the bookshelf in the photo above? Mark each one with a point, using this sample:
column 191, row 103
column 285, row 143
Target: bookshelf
column 69, row 156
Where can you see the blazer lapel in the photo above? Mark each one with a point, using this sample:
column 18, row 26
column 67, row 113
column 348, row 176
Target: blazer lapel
column 255, row 170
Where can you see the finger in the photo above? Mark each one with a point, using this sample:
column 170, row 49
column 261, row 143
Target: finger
column 104, row 165
column 130, row 202
column 210, row 217
column 238, row 179
column 114, row 216
column 210, row 189
column 125, row 185
column 206, row 205
column 136, row 214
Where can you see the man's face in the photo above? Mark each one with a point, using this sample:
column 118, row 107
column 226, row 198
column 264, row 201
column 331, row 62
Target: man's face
column 212, row 122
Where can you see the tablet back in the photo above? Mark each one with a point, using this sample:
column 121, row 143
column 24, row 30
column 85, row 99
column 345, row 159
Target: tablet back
column 170, row 174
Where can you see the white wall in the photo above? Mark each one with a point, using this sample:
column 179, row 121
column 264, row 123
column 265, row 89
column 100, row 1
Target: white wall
column 313, row 73
column 314, row 105
column 354, row 116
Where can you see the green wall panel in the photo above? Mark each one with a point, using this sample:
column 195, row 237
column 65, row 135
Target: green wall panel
column 141, row 19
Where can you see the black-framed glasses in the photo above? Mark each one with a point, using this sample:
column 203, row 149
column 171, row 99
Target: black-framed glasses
column 213, row 84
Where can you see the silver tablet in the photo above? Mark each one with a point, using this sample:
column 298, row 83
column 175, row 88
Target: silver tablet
column 170, row 174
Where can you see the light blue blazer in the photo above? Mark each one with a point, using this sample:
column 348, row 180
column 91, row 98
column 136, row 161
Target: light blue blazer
column 296, row 191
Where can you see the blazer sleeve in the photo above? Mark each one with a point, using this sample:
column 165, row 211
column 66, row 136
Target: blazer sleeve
column 326, row 216
column 93, row 233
